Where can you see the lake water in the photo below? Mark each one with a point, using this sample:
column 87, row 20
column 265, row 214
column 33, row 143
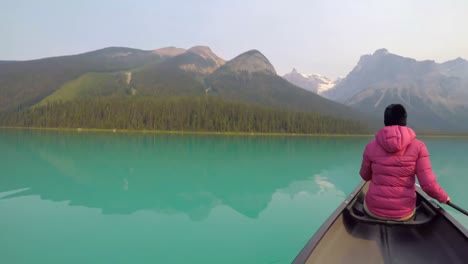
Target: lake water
column 69, row 197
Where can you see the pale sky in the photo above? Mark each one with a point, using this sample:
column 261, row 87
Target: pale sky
column 325, row 37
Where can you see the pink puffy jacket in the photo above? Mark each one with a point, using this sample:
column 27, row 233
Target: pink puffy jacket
column 390, row 162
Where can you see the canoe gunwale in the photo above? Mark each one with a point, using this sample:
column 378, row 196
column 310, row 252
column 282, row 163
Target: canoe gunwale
column 440, row 210
column 314, row 241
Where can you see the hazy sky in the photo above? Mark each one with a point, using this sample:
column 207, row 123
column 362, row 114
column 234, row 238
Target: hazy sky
column 326, row 37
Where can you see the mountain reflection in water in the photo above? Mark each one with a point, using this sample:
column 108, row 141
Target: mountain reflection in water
column 122, row 174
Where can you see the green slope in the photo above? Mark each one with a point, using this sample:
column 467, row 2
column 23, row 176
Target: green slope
column 25, row 83
column 158, row 79
column 165, row 81
column 92, row 85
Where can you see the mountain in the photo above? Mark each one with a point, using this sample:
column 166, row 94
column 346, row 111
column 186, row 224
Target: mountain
column 173, row 75
column 208, row 55
column 199, row 59
column 181, row 75
column 455, row 68
column 250, row 62
column 311, row 82
column 435, row 95
column 113, row 76
column 250, row 77
column 25, row 83
column 106, row 72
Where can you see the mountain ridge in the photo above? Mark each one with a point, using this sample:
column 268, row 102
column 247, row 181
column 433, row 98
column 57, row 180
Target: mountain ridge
column 435, row 94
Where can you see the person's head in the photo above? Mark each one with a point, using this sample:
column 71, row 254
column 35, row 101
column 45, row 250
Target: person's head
column 395, row 115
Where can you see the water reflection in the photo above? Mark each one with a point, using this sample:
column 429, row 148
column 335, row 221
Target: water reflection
column 132, row 198
column 122, row 174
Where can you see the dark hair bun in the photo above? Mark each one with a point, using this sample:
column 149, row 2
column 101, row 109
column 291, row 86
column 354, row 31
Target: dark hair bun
column 395, row 115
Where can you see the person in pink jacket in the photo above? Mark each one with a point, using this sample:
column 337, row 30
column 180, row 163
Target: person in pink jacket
column 390, row 162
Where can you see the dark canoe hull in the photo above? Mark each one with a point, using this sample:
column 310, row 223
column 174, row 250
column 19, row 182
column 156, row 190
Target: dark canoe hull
column 343, row 238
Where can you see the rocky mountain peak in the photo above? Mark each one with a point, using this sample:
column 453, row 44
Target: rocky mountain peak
column 251, row 61
column 455, row 68
column 169, row 52
column 381, row 52
column 456, row 62
column 206, row 53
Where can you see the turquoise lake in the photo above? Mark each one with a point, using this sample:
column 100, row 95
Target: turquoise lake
column 69, row 197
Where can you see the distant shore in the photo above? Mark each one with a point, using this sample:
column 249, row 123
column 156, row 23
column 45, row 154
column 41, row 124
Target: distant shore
column 175, row 132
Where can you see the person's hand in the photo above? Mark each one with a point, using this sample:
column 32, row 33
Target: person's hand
column 448, row 200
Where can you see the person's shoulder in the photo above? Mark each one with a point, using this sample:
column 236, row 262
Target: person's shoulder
column 418, row 145
column 371, row 145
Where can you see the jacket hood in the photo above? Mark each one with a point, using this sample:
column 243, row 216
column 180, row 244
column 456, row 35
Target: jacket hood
column 395, row 138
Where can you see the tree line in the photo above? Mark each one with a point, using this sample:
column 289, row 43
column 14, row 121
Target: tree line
column 178, row 114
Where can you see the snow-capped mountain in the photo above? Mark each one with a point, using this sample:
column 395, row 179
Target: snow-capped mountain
column 312, row 82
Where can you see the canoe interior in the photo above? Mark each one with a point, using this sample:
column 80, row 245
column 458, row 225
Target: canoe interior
column 346, row 239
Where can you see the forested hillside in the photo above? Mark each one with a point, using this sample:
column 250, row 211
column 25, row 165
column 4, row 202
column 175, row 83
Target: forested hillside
column 178, row 113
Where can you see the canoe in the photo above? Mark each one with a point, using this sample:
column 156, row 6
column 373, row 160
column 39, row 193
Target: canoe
column 349, row 235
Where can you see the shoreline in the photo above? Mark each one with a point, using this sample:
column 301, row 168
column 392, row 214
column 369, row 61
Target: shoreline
column 179, row 132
